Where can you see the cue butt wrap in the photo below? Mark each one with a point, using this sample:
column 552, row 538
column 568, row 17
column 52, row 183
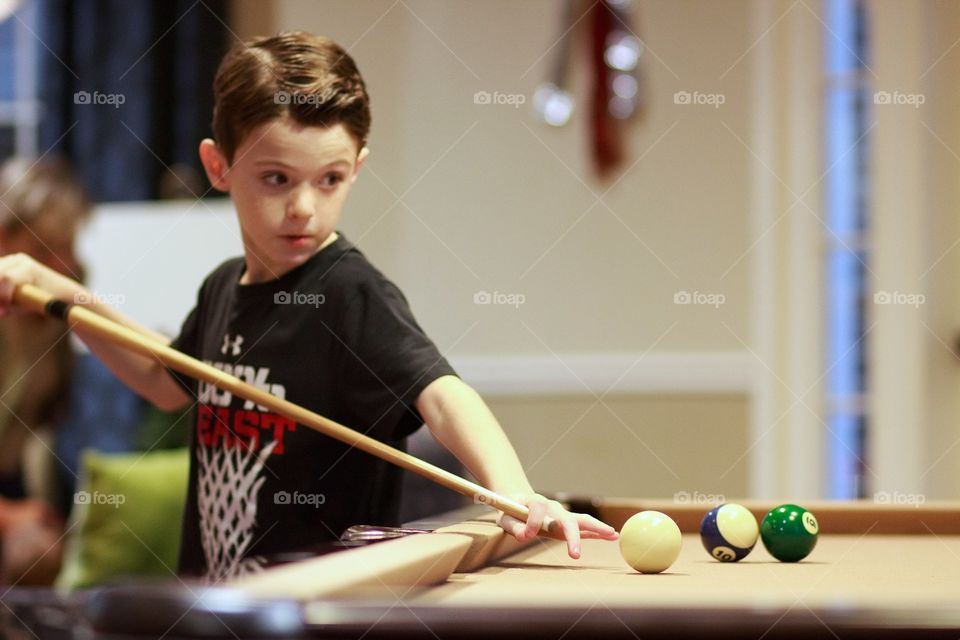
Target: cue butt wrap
column 57, row 309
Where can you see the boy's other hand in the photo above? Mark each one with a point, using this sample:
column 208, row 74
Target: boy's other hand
column 19, row 268
column 576, row 526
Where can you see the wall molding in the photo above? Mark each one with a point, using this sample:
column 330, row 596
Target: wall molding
column 119, row 229
column 667, row 372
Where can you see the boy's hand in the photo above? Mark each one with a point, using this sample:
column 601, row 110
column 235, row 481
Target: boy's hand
column 576, row 526
column 19, row 268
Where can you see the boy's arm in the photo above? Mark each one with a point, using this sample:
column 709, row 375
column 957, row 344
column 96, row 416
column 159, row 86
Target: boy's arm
column 461, row 421
column 146, row 376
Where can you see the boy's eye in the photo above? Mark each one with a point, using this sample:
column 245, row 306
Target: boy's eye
column 332, row 179
column 275, row 179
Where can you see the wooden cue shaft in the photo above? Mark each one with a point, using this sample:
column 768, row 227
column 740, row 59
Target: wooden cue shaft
column 39, row 301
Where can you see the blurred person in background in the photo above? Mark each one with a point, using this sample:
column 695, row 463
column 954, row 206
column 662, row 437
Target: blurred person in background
column 42, row 206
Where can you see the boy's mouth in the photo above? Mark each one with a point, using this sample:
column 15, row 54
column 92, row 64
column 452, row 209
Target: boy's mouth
column 296, row 240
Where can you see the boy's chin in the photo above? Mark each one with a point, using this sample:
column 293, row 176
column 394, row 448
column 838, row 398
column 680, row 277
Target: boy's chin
column 265, row 270
column 295, row 256
column 292, row 260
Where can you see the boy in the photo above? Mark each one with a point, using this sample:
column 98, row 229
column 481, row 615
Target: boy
column 304, row 315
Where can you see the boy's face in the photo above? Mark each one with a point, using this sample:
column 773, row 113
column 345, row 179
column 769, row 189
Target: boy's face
column 288, row 183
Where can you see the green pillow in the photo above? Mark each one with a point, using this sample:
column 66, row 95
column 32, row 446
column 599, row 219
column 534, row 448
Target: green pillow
column 126, row 517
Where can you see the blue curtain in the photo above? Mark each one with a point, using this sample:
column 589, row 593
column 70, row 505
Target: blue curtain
column 126, row 89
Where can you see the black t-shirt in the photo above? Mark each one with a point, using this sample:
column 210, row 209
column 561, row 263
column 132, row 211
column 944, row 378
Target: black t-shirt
column 334, row 336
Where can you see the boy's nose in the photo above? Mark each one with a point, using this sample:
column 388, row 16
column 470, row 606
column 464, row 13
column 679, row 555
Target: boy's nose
column 301, row 204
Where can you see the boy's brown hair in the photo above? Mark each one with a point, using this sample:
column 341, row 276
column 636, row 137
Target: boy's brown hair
column 305, row 77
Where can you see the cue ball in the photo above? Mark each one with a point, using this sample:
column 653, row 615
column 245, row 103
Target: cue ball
column 789, row 532
column 650, row 541
column 729, row 532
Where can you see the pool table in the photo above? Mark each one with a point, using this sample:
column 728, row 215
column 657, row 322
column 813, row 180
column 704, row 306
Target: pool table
column 877, row 571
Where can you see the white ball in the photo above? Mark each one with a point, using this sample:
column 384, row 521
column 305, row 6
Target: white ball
column 650, row 541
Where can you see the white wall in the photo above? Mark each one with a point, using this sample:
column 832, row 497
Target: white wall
column 149, row 259
column 494, row 200
column 915, row 437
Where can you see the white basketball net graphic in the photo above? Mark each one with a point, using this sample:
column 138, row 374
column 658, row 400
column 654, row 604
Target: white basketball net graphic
column 228, row 482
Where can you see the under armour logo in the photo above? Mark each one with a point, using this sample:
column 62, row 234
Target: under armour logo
column 233, row 346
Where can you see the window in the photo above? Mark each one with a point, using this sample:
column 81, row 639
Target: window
column 847, row 99
column 18, row 107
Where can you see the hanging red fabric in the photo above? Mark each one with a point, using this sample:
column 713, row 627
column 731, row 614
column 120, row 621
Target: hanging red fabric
column 605, row 140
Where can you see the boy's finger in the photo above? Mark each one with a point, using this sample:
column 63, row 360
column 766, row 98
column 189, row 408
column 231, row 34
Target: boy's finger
column 11, row 276
column 588, row 534
column 571, row 531
column 595, row 525
column 591, row 535
column 511, row 525
column 537, row 511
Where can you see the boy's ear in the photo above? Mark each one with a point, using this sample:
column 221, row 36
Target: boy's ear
column 361, row 158
column 215, row 165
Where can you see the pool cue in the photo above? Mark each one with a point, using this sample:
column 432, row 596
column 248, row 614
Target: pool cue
column 35, row 299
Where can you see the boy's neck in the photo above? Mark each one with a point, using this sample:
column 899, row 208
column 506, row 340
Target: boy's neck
column 245, row 277
column 330, row 240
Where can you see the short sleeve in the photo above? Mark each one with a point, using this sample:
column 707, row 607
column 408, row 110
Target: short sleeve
column 190, row 339
column 386, row 361
column 187, row 342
